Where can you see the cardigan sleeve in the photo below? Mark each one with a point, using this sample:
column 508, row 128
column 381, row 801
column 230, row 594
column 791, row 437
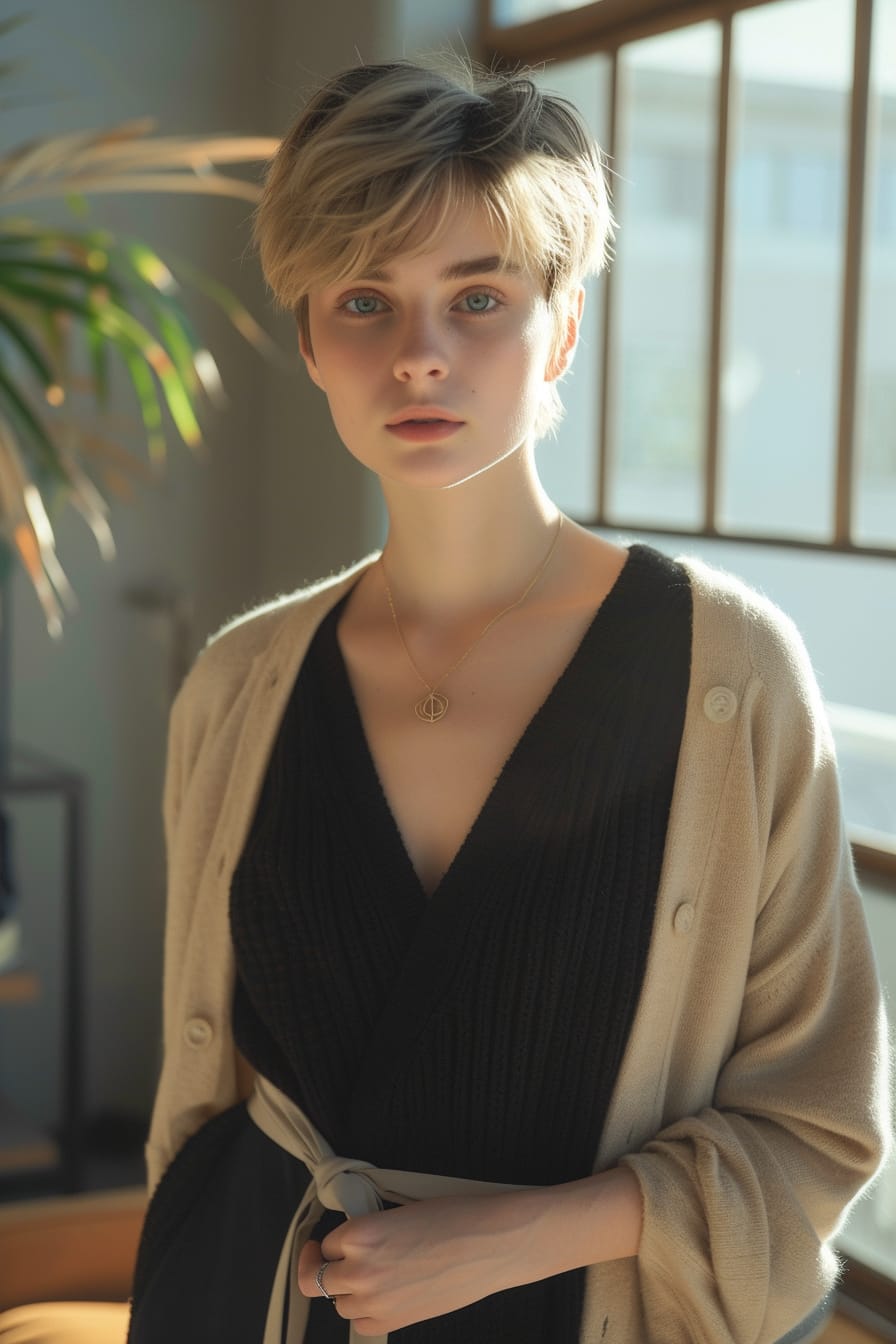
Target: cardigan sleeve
column 176, row 919
column 220, row 727
column 191, row 796
column 741, row 1201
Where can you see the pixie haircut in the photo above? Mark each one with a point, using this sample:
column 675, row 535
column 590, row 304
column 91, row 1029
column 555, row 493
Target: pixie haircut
column 382, row 155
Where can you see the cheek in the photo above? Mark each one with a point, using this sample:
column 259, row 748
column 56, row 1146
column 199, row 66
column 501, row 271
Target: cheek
column 539, row 339
column 344, row 366
column 521, row 352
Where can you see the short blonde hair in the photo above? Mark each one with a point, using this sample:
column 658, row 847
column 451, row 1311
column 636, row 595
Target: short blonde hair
column 380, row 157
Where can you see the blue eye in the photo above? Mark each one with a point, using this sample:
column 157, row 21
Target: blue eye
column 479, row 302
column 366, row 304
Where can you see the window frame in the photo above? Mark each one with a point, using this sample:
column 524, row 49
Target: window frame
column 601, row 26
column 606, row 26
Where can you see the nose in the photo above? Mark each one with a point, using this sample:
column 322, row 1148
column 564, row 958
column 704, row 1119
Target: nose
column 420, row 353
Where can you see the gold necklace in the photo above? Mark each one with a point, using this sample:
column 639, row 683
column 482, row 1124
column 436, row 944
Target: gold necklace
column 434, row 705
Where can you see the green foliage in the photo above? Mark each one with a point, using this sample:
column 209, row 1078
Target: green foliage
column 119, row 300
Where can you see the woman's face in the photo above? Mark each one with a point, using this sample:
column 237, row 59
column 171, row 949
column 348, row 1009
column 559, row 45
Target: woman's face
column 445, row 336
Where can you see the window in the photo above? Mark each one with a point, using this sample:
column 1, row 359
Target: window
column 876, row 391
column 753, row 295
column 521, row 11
column 734, row 392
column 781, row 336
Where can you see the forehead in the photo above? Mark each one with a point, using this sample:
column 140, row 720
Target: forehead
column 447, row 245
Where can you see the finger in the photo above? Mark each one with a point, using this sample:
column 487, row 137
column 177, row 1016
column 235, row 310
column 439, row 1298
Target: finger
column 309, row 1262
column 331, row 1244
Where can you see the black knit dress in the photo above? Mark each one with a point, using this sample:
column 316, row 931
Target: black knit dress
column 478, row 1033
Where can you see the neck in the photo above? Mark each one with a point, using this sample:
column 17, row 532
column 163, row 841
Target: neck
column 453, row 554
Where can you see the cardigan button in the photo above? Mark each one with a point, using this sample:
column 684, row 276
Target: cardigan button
column 198, row 1033
column 683, row 919
column 720, row 704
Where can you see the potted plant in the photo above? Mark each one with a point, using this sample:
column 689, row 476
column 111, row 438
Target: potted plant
column 84, row 290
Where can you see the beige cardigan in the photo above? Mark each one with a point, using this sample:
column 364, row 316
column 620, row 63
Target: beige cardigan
column 751, row 1103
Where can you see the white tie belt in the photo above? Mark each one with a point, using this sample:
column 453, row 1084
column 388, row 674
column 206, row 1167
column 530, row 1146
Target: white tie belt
column 346, row 1185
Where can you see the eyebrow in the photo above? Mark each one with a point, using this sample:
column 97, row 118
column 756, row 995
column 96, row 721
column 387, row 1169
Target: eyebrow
column 459, row 270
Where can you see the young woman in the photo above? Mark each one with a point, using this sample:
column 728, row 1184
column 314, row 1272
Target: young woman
column 510, row 907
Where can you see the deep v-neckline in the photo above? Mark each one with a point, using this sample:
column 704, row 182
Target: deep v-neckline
column 536, row 742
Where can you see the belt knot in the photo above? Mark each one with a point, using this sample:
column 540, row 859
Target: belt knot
column 343, row 1186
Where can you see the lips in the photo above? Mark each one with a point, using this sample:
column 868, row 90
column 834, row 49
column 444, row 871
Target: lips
column 427, row 431
column 424, row 415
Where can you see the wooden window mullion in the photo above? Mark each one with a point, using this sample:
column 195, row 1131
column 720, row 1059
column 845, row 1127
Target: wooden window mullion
column 852, row 270
column 718, row 296
column 608, row 362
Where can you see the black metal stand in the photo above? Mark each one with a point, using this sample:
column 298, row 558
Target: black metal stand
column 31, row 773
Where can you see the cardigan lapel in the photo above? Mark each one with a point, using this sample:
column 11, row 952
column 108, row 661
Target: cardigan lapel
column 274, row 670
column 703, row 763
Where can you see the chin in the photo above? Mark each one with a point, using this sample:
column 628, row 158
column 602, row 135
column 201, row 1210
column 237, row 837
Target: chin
column 433, row 468
column 437, row 475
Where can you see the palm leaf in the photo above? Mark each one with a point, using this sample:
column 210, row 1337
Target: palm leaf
column 145, row 274
column 150, row 278
column 240, row 317
column 130, row 336
column 88, row 275
column 27, row 348
column 9, row 25
column 27, row 529
column 89, row 502
column 235, row 311
column 122, row 325
column 55, row 282
column 98, row 354
column 117, row 466
column 102, row 161
column 150, row 407
column 165, row 182
column 22, row 412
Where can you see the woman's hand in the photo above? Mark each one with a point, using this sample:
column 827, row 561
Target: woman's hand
column 404, row 1265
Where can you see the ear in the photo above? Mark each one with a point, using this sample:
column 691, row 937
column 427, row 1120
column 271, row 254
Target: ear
column 562, row 357
column 308, row 356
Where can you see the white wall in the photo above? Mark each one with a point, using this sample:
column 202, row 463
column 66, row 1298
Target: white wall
column 278, row 500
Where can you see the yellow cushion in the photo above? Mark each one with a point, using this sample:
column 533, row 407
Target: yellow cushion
column 65, row 1323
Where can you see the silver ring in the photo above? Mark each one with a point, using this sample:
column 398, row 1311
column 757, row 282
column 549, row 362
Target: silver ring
column 319, row 1280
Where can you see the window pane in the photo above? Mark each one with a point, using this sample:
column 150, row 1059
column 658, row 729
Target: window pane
column 791, row 77
column 507, row 12
column 666, row 165
column 866, row 750
column 568, row 463
column 870, row 1234
column 875, row 498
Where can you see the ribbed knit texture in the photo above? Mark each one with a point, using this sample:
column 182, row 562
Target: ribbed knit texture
column 477, row 1033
